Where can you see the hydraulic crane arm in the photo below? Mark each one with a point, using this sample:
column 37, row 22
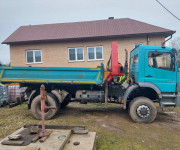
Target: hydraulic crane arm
column 115, row 69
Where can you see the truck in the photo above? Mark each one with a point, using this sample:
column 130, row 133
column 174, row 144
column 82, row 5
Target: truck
column 151, row 77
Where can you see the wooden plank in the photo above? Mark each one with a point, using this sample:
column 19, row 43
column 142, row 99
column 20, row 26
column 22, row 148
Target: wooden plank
column 31, row 148
column 15, row 143
column 52, row 126
column 35, row 139
column 77, row 131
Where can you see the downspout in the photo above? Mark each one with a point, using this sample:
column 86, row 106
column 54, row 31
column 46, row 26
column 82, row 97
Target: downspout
column 163, row 43
column 147, row 39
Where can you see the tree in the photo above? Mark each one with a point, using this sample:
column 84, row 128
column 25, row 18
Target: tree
column 7, row 64
column 175, row 43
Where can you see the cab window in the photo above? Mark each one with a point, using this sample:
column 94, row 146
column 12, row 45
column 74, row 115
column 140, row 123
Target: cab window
column 160, row 60
column 135, row 59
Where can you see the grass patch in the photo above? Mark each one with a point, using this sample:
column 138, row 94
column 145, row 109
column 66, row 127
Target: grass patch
column 115, row 130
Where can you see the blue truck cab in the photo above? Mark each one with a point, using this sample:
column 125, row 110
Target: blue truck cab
column 155, row 68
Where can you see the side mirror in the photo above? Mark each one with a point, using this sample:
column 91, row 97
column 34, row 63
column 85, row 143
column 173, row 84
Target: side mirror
column 174, row 50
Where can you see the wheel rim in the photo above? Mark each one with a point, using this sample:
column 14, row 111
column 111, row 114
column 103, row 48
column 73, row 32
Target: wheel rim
column 143, row 111
column 38, row 107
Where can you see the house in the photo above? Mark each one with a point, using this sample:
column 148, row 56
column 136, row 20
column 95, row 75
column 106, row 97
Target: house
column 80, row 44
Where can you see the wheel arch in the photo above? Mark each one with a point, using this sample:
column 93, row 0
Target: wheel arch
column 142, row 87
column 152, row 86
column 33, row 94
column 58, row 95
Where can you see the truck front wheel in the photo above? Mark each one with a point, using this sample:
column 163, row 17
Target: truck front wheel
column 36, row 107
column 142, row 110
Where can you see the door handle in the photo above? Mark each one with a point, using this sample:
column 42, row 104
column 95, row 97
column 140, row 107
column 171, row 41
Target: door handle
column 149, row 76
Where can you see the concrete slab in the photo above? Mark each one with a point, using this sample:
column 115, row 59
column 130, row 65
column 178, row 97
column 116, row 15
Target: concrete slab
column 86, row 142
column 52, row 143
column 58, row 140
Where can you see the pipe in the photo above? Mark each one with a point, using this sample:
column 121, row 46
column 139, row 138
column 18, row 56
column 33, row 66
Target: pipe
column 163, row 43
column 126, row 63
column 125, row 68
column 147, row 39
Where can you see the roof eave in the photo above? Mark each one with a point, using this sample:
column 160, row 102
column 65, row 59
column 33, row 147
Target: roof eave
column 166, row 34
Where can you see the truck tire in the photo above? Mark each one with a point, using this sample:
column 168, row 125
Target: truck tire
column 142, row 110
column 58, row 105
column 36, row 107
column 64, row 103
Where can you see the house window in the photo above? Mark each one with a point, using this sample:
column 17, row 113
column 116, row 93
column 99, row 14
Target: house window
column 95, row 53
column 33, row 56
column 137, row 44
column 76, row 54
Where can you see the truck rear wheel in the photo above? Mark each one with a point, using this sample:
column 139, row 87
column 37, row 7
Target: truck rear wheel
column 142, row 110
column 58, row 105
column 36, row 107
column 66, row 101
column 64, row 104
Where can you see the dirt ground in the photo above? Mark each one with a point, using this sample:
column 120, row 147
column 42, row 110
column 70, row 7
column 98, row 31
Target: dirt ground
column 115, row 129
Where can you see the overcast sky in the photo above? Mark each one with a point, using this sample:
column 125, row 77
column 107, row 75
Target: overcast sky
column 16, row 13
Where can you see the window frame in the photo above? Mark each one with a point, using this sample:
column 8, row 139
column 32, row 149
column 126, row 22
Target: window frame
column 95, row 53
column 33, row 50
column 75, row 54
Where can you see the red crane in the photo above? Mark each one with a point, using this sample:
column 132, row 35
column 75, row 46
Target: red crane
column 116, row 67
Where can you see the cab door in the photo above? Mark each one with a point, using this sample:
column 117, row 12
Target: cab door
column 160, row 70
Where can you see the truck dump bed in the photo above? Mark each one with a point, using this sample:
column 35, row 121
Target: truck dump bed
column 56, row 75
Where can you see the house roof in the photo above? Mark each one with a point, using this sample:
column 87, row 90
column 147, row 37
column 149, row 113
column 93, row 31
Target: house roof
column 87, row 29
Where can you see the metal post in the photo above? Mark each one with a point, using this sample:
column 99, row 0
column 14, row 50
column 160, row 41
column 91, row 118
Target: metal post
column 43, row 135
column 42, row 93
column 106, row 93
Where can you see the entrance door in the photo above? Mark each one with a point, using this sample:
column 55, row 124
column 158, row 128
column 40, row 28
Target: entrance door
column 160, row 70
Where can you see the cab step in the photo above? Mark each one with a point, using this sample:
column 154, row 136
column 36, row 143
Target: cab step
column 169, row 112
column 167, row 104
column 169, row 95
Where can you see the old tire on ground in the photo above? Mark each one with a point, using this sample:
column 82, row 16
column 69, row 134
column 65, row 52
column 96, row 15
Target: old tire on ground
column 142, row 110
column 36, row 107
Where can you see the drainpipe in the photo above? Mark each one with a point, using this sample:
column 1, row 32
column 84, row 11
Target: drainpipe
column 163, row 43
column 148, row 40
